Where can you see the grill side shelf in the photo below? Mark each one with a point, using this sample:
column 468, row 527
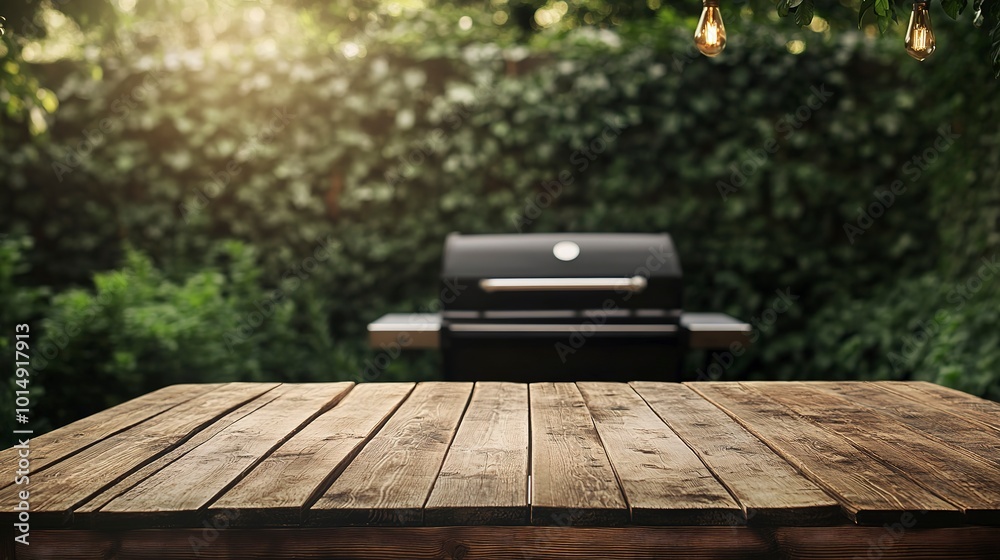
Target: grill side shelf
column 715, row 330
column 410, row 331
column 416, row 331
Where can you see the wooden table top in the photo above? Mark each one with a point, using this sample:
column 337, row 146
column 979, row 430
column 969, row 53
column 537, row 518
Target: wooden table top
column 436, row 454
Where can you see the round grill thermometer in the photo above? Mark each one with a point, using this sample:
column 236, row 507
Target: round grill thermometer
column 566, row 250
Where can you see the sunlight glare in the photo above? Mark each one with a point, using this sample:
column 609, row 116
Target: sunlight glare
column 255, row 15
column 819, row 25
column 796, row 46
column 350, row 50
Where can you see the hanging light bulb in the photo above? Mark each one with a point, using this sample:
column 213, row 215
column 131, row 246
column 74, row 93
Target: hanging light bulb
column 710, row 35
column 919, row 36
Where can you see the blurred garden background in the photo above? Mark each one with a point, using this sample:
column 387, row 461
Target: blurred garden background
column 205, row 191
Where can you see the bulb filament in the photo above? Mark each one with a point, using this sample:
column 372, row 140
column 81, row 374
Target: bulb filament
column 710, row 35
column 920, row 42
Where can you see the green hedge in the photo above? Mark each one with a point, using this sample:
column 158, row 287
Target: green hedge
column 757, row 162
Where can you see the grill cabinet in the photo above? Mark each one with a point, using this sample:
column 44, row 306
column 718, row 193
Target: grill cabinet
column 560, row 307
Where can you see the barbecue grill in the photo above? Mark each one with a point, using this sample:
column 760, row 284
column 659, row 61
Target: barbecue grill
column 560, row 307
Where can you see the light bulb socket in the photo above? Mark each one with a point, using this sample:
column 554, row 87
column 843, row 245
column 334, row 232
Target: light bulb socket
column 920, row 3
column 710, row 3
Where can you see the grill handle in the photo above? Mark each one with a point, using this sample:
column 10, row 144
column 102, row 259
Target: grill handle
column 633, row 284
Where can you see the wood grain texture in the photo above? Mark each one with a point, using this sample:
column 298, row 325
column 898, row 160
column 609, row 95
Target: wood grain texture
column 53, row 446
column 769, row 490
column 82, row 517
column 572, row 480
column 390, row 479
column 894, row 540
column 70, row 482
column 252, row 460
column 174, row 494
column 519, row 543
column 484, row 478
column 946, row 427
column 868, row 491
column 975, row 409
column 281, row 488
column 411, row 543
column 664, row 482
column 965, row 480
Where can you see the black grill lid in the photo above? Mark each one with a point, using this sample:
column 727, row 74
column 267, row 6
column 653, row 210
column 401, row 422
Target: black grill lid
column 577, row 271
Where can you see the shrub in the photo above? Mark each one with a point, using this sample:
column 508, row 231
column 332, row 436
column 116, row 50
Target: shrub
column 138, row 330
column 759, row 163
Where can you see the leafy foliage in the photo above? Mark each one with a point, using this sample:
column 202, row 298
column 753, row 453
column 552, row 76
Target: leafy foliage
column 19, row 305
column 135, row 331
column 290, row 138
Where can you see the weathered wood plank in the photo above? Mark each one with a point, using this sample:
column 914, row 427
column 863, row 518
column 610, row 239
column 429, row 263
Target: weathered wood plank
column 572, row 480
column 770, row 491
column 963, row 479
column 948, row 400
column 173, row 495
column 946, row 427
column 280, row 489
column 898, row 539
column 82, row 517
column 411, row 543
column 70, row 482
column 664, row 482
column 53, row 446
column 484, row 479
column 868, row 491
column 882, row 455
column 390, row 479
column 518, row 543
